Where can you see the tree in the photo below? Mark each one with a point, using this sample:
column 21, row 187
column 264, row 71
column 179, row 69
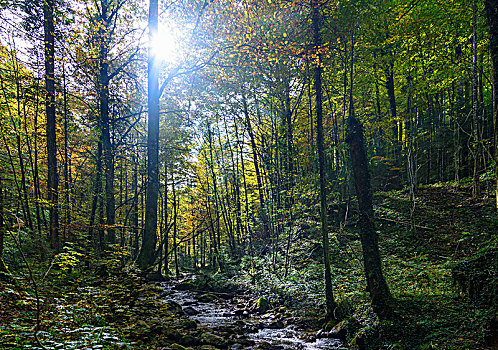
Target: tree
column 317, row 42
column 492, row 16
column 376, row 284
column 147, row 252
column 53, row 178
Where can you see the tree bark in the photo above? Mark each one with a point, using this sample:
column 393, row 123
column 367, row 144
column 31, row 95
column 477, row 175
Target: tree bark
column 53, row 177
column 147, row 252
column 105, row 123
column 97, row 190
column 329, row 296
column 376, row 284
column 3, row 267
column 67, row 164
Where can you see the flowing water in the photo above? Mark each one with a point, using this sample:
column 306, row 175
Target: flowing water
column 253, row 331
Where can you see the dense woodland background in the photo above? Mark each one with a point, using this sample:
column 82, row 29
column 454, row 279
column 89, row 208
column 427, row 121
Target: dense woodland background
column 239, row 151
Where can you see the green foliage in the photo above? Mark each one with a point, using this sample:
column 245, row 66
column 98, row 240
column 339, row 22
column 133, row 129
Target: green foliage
column 68, row 258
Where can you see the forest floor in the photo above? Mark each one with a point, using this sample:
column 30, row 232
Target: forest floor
column 108, row 307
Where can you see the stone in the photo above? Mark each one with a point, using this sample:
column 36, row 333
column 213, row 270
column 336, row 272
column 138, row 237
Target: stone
column 278, row 324
column 265, row 346
column 208, row 347
column 170, row 333
column 174, row 307
column 188, row 324
column 185, row 285
column 212, row 339
column 261, row 305
column 143, row 324
column 344, row 329
column 239, row 312
column 207, row 298
column 178, row 347
column 189, row 340
column 190, row 311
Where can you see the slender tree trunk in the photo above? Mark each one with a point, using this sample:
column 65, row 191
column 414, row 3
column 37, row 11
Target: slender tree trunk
column 147, row 252
column 329, row 296
column 175, row 232
column 97, row 191
column 67, row 163
column 166, row 223
column 475, row 107
column 256, row 166
column 53, row 177
column 392, row 104
column 38, row 194
column 33, row 162
column 3, row 268
column 492, row 15
column 134, row 210
column 20, row 153
column 2, row 226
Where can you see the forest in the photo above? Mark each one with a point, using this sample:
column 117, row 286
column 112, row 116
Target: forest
column 251, row 174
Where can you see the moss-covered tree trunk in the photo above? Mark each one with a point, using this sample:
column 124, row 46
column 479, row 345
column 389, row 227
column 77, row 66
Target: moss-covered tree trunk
column 376, row 284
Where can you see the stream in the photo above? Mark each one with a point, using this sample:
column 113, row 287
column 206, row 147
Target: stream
column 227, row 316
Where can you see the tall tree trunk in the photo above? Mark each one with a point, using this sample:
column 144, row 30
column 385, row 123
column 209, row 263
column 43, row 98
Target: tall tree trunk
column 492, row 15
column 317, row 40
column 147, row 252
column 20, row 153
column 475, row 146
column 166, row 224
column 33, row 162
column 376, row 284
column 53, row 177
column 105, row 123
column 67, row 164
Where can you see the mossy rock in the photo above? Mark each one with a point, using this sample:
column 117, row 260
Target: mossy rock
column 364, row 337
column 209, row 347
column 173, row 307
column 171, row 333
column 178, row 347
column 327, row 327
column 188, row 324
column 262, row 305
column 185, row 285
column 477, row 277
column 189, row 340
column 208, row 338
column 345, row 329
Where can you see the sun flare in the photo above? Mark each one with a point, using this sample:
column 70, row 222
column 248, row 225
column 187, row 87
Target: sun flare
column 165, row 45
